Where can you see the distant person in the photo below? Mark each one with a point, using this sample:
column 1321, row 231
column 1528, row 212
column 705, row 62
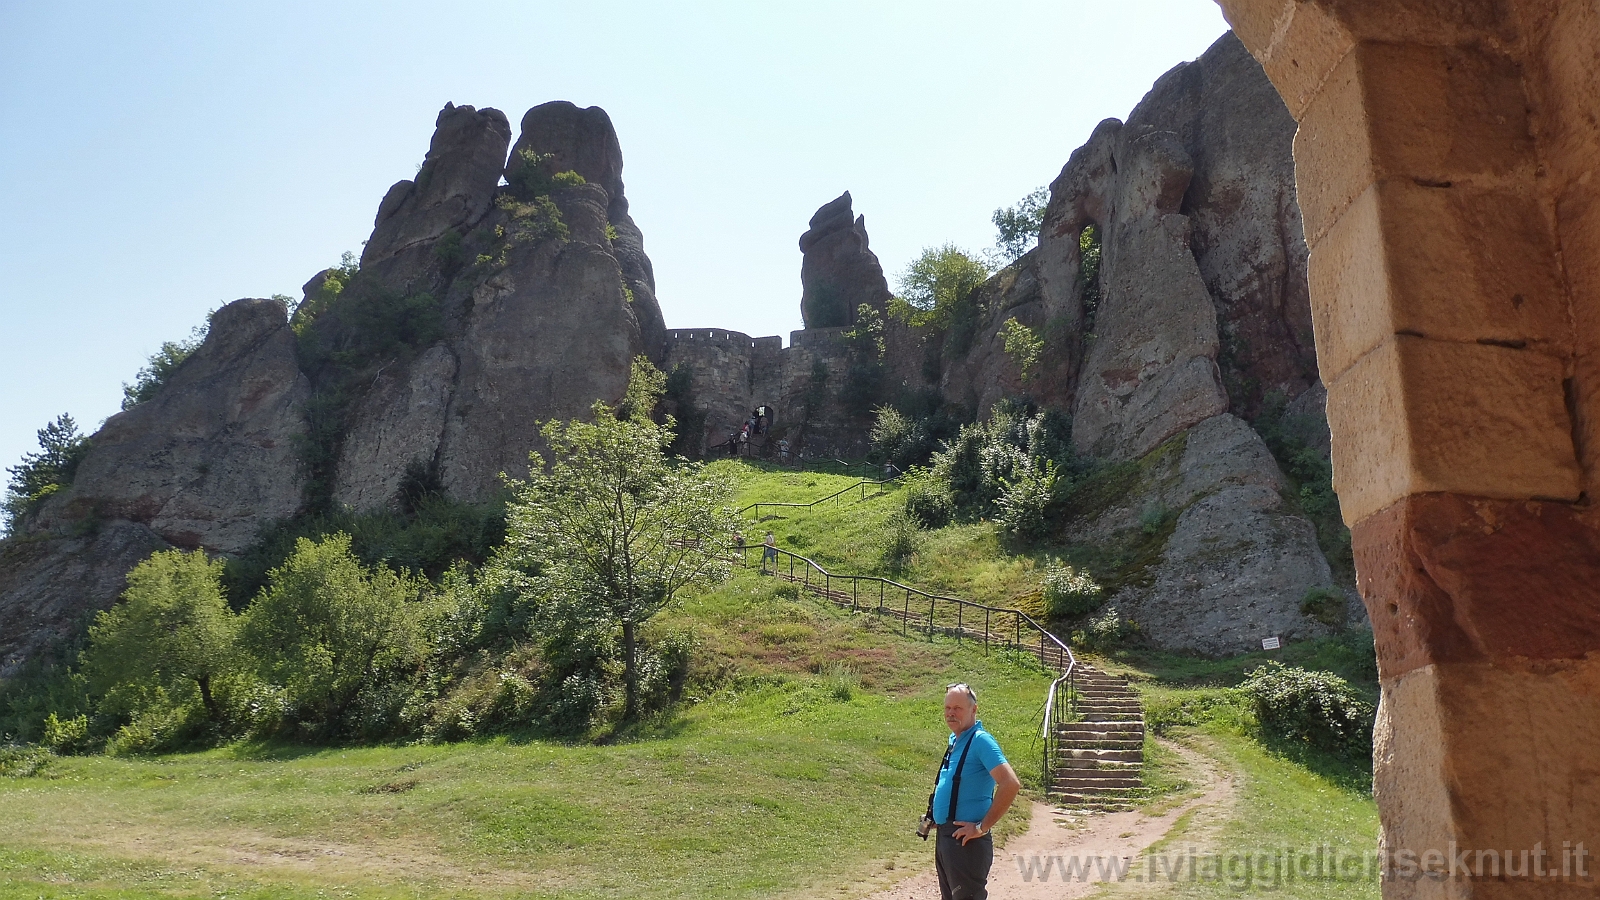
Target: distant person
column 732, row 445
column 744, row 440
column 769, row 552
column 889, row 471
column 763, row 419
column 975, row 788
column 783, row 451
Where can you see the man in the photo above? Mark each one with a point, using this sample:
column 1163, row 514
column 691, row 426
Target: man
column 975, row 788
column 769, row 553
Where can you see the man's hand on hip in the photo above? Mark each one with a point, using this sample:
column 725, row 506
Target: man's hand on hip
column 967, row 831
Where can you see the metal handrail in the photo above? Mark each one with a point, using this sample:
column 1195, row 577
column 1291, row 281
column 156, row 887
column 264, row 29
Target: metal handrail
column 860, row 484
column 1065, row 661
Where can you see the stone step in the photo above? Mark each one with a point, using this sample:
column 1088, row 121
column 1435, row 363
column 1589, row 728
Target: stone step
column 1088, row 764
column 1101, row 755
column 1085, row 785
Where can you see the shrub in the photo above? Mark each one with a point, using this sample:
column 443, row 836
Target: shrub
column 19, row 761
column 162, row 364
column 1026, row 497
column 329, row 630
column 66, row 736
column 1022, row 346
column 899, row 540
column 1324, row 604
column 1106, row 632
column 1315, row 708
column 928, row 499
column 988, row 459
column 1069, row 592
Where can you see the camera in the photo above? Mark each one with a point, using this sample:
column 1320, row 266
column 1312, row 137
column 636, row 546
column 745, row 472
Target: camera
column 924, row 827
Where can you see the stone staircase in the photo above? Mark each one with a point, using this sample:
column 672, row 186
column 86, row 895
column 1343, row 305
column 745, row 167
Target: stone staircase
column 1099, row 761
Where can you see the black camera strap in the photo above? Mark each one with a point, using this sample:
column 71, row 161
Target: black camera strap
column 955, row 780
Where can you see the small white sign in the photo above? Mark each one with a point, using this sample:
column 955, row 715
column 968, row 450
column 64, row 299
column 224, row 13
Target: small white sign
column 1271, row 643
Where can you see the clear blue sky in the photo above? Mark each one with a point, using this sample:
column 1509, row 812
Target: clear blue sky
column 159, row 159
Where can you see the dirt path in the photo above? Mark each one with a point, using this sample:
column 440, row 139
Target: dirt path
column 1102, row 841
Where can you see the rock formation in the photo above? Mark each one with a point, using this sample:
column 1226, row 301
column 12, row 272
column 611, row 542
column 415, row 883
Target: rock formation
column 839, row 271
column 531, row 307
column 214, row 454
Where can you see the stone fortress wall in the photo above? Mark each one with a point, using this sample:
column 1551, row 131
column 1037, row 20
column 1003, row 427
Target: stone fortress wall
column 732, row 373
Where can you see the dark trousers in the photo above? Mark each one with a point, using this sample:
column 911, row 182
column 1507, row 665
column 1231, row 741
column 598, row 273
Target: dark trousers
column 963, row 869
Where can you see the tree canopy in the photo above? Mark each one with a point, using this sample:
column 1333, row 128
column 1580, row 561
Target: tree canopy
column 935, row 284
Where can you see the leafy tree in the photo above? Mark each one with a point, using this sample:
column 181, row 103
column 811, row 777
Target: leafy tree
column 172, row 636
column 616, row 528
column 936, row 284
column 1022, row 345
column 1089, row 272
column 41, row 474
column 328, row 629
column 165, row 361
column 1018, row 226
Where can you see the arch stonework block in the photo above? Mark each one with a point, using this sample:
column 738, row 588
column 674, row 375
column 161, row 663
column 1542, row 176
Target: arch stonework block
column 1446, row 167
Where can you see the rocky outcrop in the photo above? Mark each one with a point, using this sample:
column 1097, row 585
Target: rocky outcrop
column 454, row 188
column 396, row 432
column 839, row 271
column 584, row 141
column 215, row 454
column 1235, row 560
column 50, row 588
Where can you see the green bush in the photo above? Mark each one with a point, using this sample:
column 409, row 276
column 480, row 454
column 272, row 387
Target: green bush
column 1025, row 454
column 66, row 736
column 1106, row 632
column 331, row 632
column 162, row 364
column 928, row 499
column 900, row 536
column 1022, row 346
column 1315, row 708
column 1069, row 592
column 1324, row 604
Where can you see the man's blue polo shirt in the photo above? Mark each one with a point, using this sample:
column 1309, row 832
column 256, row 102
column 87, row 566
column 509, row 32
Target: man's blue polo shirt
column 977, row 785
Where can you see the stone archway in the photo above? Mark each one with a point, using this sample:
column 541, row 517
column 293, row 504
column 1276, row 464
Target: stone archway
column 1446, row 167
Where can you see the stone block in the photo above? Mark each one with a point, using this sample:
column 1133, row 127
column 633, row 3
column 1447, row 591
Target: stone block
column 1416, row 415
column 1450, row 579
column 1472, row 757
column 1442, row 114
column 1297, row 44
column 1458, row 264
column 1332, row 150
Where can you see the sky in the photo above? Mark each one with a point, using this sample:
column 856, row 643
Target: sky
column 160, row 159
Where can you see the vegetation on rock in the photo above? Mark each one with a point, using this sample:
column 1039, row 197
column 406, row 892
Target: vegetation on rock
column 165, row 361
column 42, row 473
column 1018, row 226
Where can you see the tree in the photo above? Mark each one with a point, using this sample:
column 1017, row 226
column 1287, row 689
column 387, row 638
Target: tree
column 615, row 527
column 1018, row 226
column 41, row 474
column 1022, row 345
column 171, row 635
column 936, row 284
column 327, row 628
